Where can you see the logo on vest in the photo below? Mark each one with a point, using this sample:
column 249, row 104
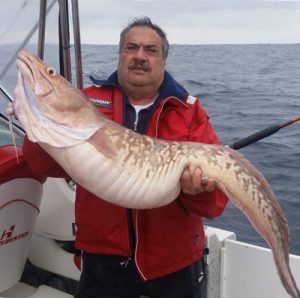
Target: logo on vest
column 101, row 102
column 7, row 236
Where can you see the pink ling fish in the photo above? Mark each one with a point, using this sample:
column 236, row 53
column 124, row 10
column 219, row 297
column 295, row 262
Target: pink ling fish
column 138, row 171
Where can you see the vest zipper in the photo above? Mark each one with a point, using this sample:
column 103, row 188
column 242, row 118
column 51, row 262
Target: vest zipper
column 131, row 234
column 130, row 231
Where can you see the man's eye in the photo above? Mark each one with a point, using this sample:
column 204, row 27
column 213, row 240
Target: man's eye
column 152, row 50
column 130, row 48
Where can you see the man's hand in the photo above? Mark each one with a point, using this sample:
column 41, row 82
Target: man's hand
column 192, row 182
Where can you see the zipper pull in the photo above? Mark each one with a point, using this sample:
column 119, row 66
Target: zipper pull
column 135, row 124
column 125, row 263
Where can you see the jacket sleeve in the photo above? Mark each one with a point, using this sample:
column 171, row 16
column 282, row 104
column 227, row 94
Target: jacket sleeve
column 207, row 204
column 40, row 161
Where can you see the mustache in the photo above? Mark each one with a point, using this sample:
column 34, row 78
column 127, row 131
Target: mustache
column 138, row 65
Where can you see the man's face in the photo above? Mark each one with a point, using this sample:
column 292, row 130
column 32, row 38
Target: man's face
column 141, row 62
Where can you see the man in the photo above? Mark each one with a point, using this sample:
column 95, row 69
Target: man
column 156, row 252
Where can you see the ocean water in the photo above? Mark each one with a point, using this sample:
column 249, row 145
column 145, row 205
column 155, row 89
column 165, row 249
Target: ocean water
column 244, row 89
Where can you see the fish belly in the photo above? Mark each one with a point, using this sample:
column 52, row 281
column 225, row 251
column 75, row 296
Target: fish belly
column 119, row 181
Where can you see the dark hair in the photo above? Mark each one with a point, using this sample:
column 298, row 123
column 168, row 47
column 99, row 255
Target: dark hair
column 145, row 22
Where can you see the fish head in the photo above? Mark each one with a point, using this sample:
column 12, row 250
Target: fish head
column 49, row 107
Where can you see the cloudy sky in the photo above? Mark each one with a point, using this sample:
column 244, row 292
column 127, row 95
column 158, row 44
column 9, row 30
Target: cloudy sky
column 185, row 21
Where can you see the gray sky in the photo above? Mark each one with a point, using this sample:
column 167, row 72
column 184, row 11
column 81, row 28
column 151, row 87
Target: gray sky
column 185, row 21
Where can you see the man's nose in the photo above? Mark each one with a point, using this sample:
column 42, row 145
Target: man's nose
column 140, row 54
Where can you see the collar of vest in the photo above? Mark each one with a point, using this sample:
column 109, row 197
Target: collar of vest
column 169, row 88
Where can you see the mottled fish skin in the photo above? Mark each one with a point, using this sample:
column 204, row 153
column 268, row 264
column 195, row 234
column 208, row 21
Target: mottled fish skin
column 137, row 171
column 251, row 193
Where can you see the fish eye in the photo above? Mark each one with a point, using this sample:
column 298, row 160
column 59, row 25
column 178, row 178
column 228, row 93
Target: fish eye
column 51, row 71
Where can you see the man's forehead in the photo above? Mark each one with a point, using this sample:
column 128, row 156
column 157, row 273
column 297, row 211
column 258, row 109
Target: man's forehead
column 143, row 35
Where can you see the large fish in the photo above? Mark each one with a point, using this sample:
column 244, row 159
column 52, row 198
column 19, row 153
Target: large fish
column 136, row 171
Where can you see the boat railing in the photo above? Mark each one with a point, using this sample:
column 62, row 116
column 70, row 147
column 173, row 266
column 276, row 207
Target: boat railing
column 237, row 269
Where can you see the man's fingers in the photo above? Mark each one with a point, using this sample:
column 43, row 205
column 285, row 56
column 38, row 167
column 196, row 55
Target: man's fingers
column 193, row 183
column 209, row 184
column 197, row 180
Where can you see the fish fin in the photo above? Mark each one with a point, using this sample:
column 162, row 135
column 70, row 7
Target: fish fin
column 231, row 197
column 102, row 142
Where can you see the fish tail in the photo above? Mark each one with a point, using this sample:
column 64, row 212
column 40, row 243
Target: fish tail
column 290, row 285
column 281, row 259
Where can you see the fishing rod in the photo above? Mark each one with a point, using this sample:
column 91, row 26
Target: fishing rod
column 262, row 134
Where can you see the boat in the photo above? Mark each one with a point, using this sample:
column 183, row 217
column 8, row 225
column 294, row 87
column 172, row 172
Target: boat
column 37, row 231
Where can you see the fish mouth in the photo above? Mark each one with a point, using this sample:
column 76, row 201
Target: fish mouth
column 22, row 90
column 24, row 67
column 33, row 75
column 27, row 80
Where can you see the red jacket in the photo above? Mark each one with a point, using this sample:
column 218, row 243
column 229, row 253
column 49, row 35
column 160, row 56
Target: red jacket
column 168, row 238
